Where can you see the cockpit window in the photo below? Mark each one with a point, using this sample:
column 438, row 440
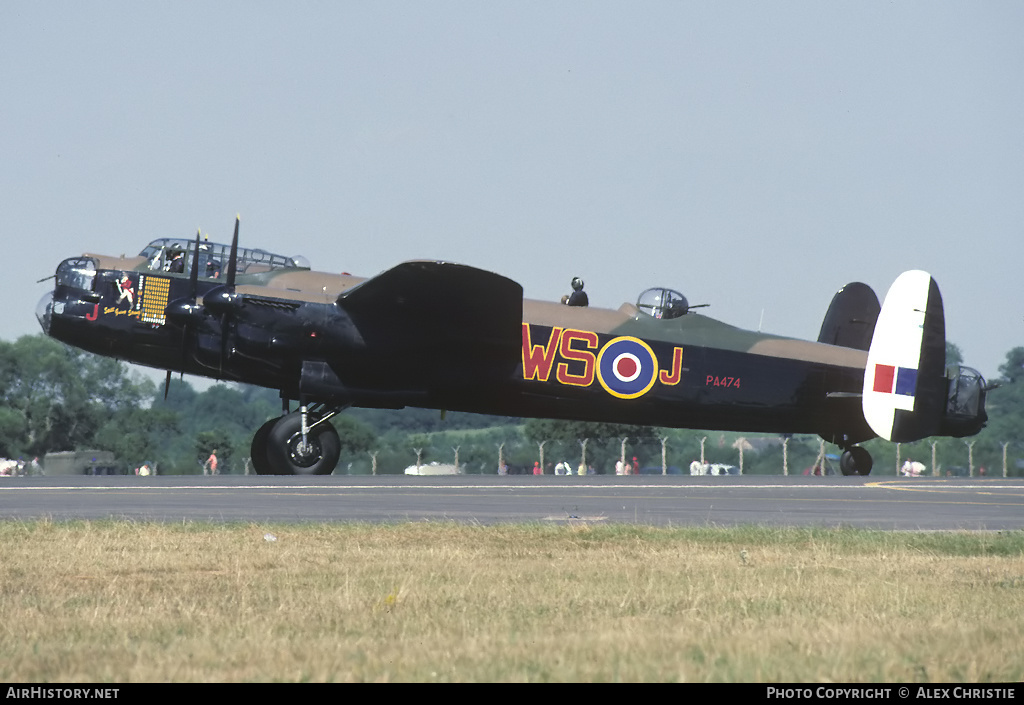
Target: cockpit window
column 175, row 255
column 77, row 273
column 662, row 303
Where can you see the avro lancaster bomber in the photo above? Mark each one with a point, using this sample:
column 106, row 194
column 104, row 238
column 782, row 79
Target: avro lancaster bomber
column 448, row 336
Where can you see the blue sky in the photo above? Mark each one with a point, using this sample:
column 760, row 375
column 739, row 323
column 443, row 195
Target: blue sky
column 756, row 156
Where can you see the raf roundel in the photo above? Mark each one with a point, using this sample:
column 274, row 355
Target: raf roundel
column 627, row 367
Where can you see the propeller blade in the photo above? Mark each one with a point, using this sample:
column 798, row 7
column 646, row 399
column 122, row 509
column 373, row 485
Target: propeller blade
column 223, row 340
column 193, row 279
column 232, row 265
column 167, row 384
column 193, row 288
column 230, row 286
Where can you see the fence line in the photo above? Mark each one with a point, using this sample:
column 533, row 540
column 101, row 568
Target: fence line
column 663, row 455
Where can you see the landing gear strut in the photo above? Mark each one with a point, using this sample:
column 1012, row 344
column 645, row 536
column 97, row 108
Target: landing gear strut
column 855, row 461
column 300, row 443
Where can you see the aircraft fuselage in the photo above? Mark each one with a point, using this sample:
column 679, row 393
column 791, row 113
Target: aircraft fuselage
column 588, row 364
column 445, row 336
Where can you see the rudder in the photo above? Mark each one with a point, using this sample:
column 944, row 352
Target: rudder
column 904, row 382
column 851, row 317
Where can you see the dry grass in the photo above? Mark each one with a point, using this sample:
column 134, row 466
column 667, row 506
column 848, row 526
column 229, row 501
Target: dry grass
column 121, row 601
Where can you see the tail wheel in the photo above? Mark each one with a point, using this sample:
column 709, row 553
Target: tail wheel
column 856, row 461
column 288, row 454
column 258, row 451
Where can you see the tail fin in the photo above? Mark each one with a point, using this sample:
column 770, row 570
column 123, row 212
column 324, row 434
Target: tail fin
column 904, row 382
column 850, row 319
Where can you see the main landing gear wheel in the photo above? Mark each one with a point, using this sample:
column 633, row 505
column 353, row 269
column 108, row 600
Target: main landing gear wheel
column 856, row 461
column 258, row 450
column 288, row 454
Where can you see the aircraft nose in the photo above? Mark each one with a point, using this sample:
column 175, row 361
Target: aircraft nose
column 43, row 311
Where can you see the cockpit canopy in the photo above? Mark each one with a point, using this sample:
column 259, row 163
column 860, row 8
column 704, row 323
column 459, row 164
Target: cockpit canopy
column 662, row 303
column 169, row 254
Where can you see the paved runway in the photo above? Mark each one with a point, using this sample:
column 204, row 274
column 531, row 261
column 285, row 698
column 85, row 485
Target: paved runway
column 878, row 503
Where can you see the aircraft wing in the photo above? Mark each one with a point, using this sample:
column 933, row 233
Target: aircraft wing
column 453, row 316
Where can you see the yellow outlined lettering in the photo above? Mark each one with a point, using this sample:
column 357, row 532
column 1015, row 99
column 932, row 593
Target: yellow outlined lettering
column 677, row 369
column 589, row 359
column 537, row 359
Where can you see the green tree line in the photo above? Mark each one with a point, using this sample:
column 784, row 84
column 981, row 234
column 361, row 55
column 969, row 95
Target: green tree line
column 54, row 398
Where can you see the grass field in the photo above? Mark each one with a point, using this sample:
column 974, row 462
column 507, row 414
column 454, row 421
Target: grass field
column 128, row 602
